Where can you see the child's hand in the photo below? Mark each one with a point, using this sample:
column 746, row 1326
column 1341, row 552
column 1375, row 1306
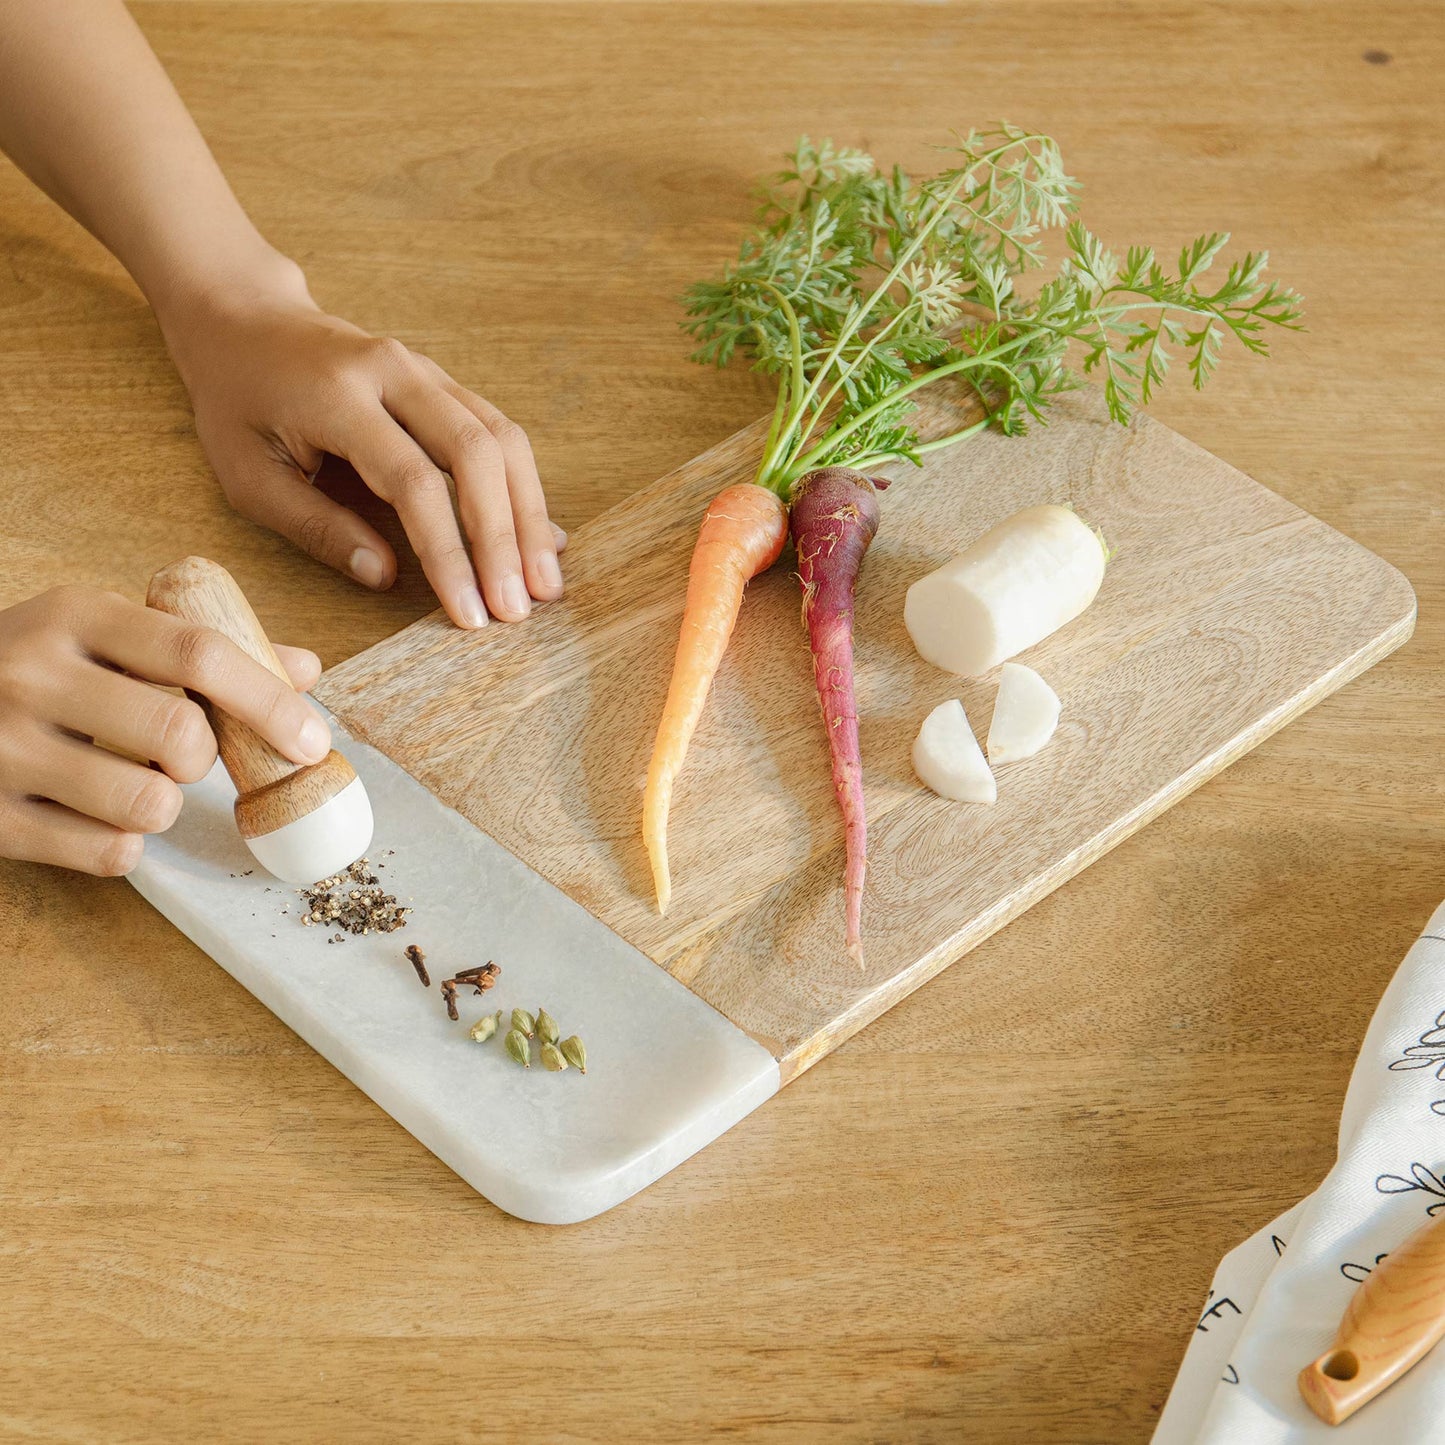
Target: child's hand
column 88, row 113
column 64, row 660
column 276, row 383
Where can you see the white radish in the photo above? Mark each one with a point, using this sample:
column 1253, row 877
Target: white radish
column 1025, row 714
column 1020, row 581
column 947, row 757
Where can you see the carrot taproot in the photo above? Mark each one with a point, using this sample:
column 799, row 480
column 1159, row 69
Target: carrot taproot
column 742, row 534
column 834, row 518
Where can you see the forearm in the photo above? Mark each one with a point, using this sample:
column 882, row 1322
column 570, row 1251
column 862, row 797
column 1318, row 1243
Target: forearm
column 87, row 112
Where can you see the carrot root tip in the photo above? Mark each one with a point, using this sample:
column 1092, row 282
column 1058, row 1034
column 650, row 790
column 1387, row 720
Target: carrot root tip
column 662, row 883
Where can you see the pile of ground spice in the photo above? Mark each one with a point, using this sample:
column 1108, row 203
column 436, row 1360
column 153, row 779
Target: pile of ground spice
column 354, row 901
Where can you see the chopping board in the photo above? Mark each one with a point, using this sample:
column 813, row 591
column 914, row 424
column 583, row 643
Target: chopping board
column 1226, row 611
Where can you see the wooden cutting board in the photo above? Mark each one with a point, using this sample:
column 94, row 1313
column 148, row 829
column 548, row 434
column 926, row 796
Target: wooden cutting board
column 1225, row 613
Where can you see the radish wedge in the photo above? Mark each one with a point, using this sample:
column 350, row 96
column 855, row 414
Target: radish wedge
column 1020, row 581
column 947, row 757
column 1025, row 715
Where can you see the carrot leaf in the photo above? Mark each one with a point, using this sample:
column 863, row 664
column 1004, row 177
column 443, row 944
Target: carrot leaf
column 858, row 287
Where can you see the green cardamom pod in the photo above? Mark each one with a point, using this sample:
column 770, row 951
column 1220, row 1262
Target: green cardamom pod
column 552, row 1059
column 519, row 1048
column 524, row 1022
column 486, row 1026
column 547, row 1029
column 574, row 1053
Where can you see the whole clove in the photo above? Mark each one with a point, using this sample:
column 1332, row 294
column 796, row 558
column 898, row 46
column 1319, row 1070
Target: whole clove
column 482, row 975
column 417, row 959
column 480, row 978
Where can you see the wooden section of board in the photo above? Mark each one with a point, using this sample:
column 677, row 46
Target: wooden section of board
column 1226, row 612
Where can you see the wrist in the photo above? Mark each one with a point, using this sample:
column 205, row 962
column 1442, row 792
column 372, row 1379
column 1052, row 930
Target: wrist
column 191, row 305
column 259, row 276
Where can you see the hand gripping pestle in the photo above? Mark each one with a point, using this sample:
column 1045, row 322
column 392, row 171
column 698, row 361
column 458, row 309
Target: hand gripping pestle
column 301, row 822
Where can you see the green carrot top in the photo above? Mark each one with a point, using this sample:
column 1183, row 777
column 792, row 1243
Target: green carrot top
column 859, row 288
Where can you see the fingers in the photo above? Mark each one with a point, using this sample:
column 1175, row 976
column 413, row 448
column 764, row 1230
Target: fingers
column 455, row 439
column 273, row 492
column 67, row 801
column 161, row 648
column 132, row 716
column 536, row 537
column 530, row 536
column 302, row 666
column 403, row 423
column 89, row 780
column 44, row 832
column 400, row 472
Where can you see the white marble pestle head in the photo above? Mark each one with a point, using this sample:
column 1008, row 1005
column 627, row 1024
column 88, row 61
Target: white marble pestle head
column 298, row 839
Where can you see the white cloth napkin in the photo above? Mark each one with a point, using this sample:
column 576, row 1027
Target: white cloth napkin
column 1277, row 1299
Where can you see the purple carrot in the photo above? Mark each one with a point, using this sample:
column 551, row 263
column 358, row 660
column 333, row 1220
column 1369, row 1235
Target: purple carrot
column 834, row 514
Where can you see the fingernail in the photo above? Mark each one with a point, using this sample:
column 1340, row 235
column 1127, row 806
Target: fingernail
column 514, row 596
column 314, row 738
column 469, row 605
column 548, row 570
column 367, row 567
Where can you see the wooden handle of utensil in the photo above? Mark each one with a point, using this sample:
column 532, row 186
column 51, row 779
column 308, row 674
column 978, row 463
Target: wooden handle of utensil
column 1393, row 1320
column 271, row 790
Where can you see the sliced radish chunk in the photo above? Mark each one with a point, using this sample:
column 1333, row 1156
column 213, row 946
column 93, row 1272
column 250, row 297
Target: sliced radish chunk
column 947, row 757
column 1024, row 715
column 1020, row 581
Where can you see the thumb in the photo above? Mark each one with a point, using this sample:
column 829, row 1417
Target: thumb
column 275, row 493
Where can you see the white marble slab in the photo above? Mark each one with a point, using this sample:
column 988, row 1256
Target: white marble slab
column 666, row 1073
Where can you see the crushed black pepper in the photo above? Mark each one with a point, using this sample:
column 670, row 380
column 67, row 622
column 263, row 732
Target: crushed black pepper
column 354, row 901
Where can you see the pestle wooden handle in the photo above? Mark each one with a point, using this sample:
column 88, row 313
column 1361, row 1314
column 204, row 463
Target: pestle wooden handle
column 203, row 592
column 271, row 790
column 1393, row 1320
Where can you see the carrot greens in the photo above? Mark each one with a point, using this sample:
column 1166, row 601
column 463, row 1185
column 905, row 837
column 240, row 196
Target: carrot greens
column 860, row 287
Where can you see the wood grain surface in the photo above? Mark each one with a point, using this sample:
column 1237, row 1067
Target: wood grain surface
column 1225, row 613
column 993, row 1215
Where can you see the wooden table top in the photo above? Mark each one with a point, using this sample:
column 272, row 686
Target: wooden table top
column 991, row 1216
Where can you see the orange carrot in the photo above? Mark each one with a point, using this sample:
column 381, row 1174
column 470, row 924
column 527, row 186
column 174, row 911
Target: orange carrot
column 742, row 534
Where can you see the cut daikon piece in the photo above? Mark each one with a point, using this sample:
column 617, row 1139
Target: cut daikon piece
column 1022, row 580
column 1025, row 715
column 947, row 757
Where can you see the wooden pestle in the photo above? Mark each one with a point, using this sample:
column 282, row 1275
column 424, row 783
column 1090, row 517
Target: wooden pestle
column 1392, row 1322
column 272, row 792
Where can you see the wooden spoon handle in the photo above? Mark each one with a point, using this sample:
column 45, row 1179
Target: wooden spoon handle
column 1393, row 1320
column 200, row 591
